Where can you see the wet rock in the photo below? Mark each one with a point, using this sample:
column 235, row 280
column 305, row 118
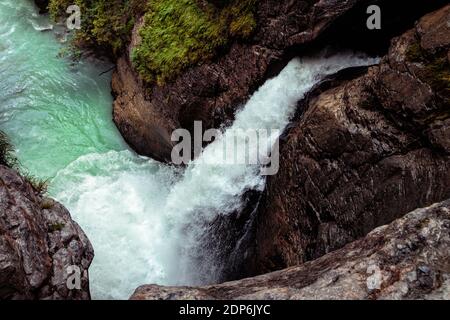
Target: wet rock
column 361, row 152
column 213, row 91
column 38, row 242
column 408, row 259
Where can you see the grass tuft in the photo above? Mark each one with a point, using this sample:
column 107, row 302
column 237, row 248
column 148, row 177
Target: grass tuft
column 40, row 186
column 7, row 157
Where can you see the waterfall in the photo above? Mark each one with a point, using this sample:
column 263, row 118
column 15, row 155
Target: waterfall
column 208, row 191
column 147, row 221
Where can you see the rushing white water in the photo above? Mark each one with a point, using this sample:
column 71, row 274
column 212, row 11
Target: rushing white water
column 145, row 219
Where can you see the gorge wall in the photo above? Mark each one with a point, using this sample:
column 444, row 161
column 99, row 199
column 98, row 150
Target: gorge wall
column 212, row 91
column 409, row 259
column 362, row 152
column 38, row 243
column 366, row 147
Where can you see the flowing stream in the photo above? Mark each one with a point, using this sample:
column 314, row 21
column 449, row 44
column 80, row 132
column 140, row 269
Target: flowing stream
column 143, row 218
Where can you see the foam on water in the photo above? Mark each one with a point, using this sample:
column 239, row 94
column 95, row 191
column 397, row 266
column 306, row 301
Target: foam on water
column 207, row 191
column 145, row 219
column 117, row 198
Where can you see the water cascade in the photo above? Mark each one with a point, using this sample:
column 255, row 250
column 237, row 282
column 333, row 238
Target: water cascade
column 145, row 219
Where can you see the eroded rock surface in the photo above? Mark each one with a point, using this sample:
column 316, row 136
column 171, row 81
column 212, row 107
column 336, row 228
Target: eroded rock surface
column 362, row 152
column 38, row 242
column 408, row 259
column 213, row 91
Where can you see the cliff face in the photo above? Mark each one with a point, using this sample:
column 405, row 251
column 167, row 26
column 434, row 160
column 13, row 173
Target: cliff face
column 408, row 259
column 366, row 147
column 38, row 243
column 362, row 152
column 211, row 92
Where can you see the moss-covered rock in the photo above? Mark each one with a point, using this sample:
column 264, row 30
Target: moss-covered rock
column 176, row 33
column 104, row 23
column 436, row 67
column 180, row 33
column 7, row 157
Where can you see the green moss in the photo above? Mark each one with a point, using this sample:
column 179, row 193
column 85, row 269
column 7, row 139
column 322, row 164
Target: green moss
column 243, row 26
column 47, row 203
column 56, row 227
column 8, row 158
column 239, row 15
column 436, row 70
column 57, row 8
column 71, row 52
column 104, row 23
column 415, row 53
column 178, row 34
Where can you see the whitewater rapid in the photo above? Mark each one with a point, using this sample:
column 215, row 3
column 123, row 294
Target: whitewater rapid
column 144, row 219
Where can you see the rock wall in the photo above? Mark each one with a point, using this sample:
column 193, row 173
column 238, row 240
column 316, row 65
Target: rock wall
column 361, row 152
column 38, row 242
column 212, row 92
column 409, row 259
column 365, row 148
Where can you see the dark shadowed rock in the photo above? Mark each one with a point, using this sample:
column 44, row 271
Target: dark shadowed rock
column 408, row 259
column 362, row 152
column 212, row 92
column 38, row 242
column 42, row 5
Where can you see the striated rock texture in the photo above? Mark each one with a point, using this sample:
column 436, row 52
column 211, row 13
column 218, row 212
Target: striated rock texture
column 212, row 92
column 362, row 152
column 409, row 259
column 38, row 242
